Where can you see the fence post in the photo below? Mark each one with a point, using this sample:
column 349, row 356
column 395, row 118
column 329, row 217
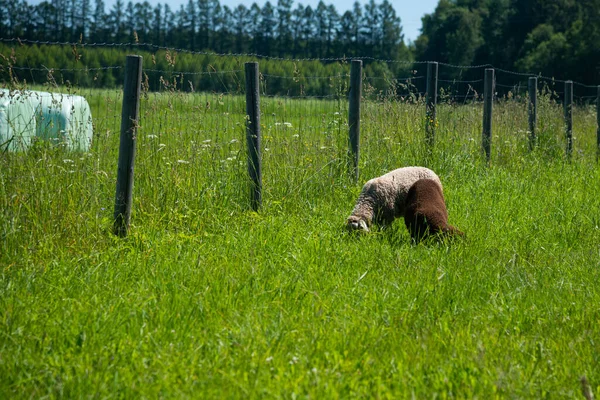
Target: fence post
column 488, row 97
column 432, row 84
column 129, row 123
column 598, row 124
column 354, row 114
column 569, row 115
column 532, row 111
column 253, row 134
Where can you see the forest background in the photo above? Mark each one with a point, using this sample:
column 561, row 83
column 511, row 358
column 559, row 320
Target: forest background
column 558, row 38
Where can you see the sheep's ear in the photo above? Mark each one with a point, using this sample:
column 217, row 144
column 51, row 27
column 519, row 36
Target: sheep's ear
column 363, row 225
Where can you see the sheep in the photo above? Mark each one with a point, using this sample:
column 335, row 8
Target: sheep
column 425, row 213
column 382, row 199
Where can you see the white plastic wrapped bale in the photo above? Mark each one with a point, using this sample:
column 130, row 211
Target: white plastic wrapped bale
column 63, row 118
column 17, row 121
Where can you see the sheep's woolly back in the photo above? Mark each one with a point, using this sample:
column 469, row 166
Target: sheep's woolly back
column 383, row 198
column 426, row 212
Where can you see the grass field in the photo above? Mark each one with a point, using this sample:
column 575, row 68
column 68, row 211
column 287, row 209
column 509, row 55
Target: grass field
column 206, row 299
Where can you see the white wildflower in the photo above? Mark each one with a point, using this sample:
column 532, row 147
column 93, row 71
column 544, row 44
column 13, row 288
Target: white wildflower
column 206, row 141
column 67, row 161
column 152, row 136
column 182, row 162
column 287, row 124
column 269, row 359
column 232, row 141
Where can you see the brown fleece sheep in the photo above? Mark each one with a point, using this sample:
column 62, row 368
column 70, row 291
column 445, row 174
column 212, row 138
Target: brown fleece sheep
column 426, row 212
column 382, row 199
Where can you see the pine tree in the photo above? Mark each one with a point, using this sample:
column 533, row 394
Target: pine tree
column 284, row 26
column 98, row 28
column 267, row 28
column 116, row 19
column 240, row 22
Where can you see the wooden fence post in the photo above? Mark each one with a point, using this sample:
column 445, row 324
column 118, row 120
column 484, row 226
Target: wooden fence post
column 532, row 111
column 569, row 115
column 488, row 97
column 432, row 84
column 253, row 134
column 354, row 115
column 129, row 123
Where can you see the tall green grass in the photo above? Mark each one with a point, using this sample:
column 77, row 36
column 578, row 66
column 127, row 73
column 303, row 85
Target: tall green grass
column 206, row 299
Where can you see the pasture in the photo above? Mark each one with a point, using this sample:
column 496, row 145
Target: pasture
column 206, row 299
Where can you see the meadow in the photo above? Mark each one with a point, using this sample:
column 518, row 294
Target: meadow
column 207, row 299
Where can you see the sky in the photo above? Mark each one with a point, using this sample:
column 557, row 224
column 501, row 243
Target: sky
column 409, row 11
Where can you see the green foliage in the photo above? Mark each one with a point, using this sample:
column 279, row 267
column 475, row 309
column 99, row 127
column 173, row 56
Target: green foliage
column 207, row 299
column 558, row 39
column 205, row 25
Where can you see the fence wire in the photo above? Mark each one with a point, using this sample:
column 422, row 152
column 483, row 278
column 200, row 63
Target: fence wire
column 193, row 118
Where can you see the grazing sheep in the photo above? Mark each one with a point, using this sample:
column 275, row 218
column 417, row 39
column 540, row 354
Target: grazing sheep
column 426, row 212
column 382, row 199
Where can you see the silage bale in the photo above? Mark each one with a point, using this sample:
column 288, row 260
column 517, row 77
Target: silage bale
column 63, row 118
column 17, row 121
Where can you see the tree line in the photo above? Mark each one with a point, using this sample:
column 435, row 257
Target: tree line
column 372, row 30
column 553, row 38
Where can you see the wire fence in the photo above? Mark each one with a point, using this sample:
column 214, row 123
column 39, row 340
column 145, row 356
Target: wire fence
column 192, row 123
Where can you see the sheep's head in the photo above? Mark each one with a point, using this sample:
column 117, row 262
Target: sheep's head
column 355, row 223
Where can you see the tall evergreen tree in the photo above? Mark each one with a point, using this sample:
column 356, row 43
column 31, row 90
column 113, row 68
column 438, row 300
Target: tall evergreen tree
column 168, row 25
column 371, row 29
column 357, row 27
column 225, row 34
column 99, row 27
column 240, row 24
column 130, row 21
column 308, row 31
column 392, row 41
column 116, row 20
column 255, row 31
column 143, row 15
column 267, row 29
column 297, row 20
column 204, row 21
column 191, row 24
column 216, row 23
column 284, row 26
column 157, row 26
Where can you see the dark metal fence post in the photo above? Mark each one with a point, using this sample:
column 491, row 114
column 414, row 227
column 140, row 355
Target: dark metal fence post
column 488, row 101
column 354, row 114
column 129, row 123
column 432, row 84
column 569, row 115
column 532, row 112
column 253, row 134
